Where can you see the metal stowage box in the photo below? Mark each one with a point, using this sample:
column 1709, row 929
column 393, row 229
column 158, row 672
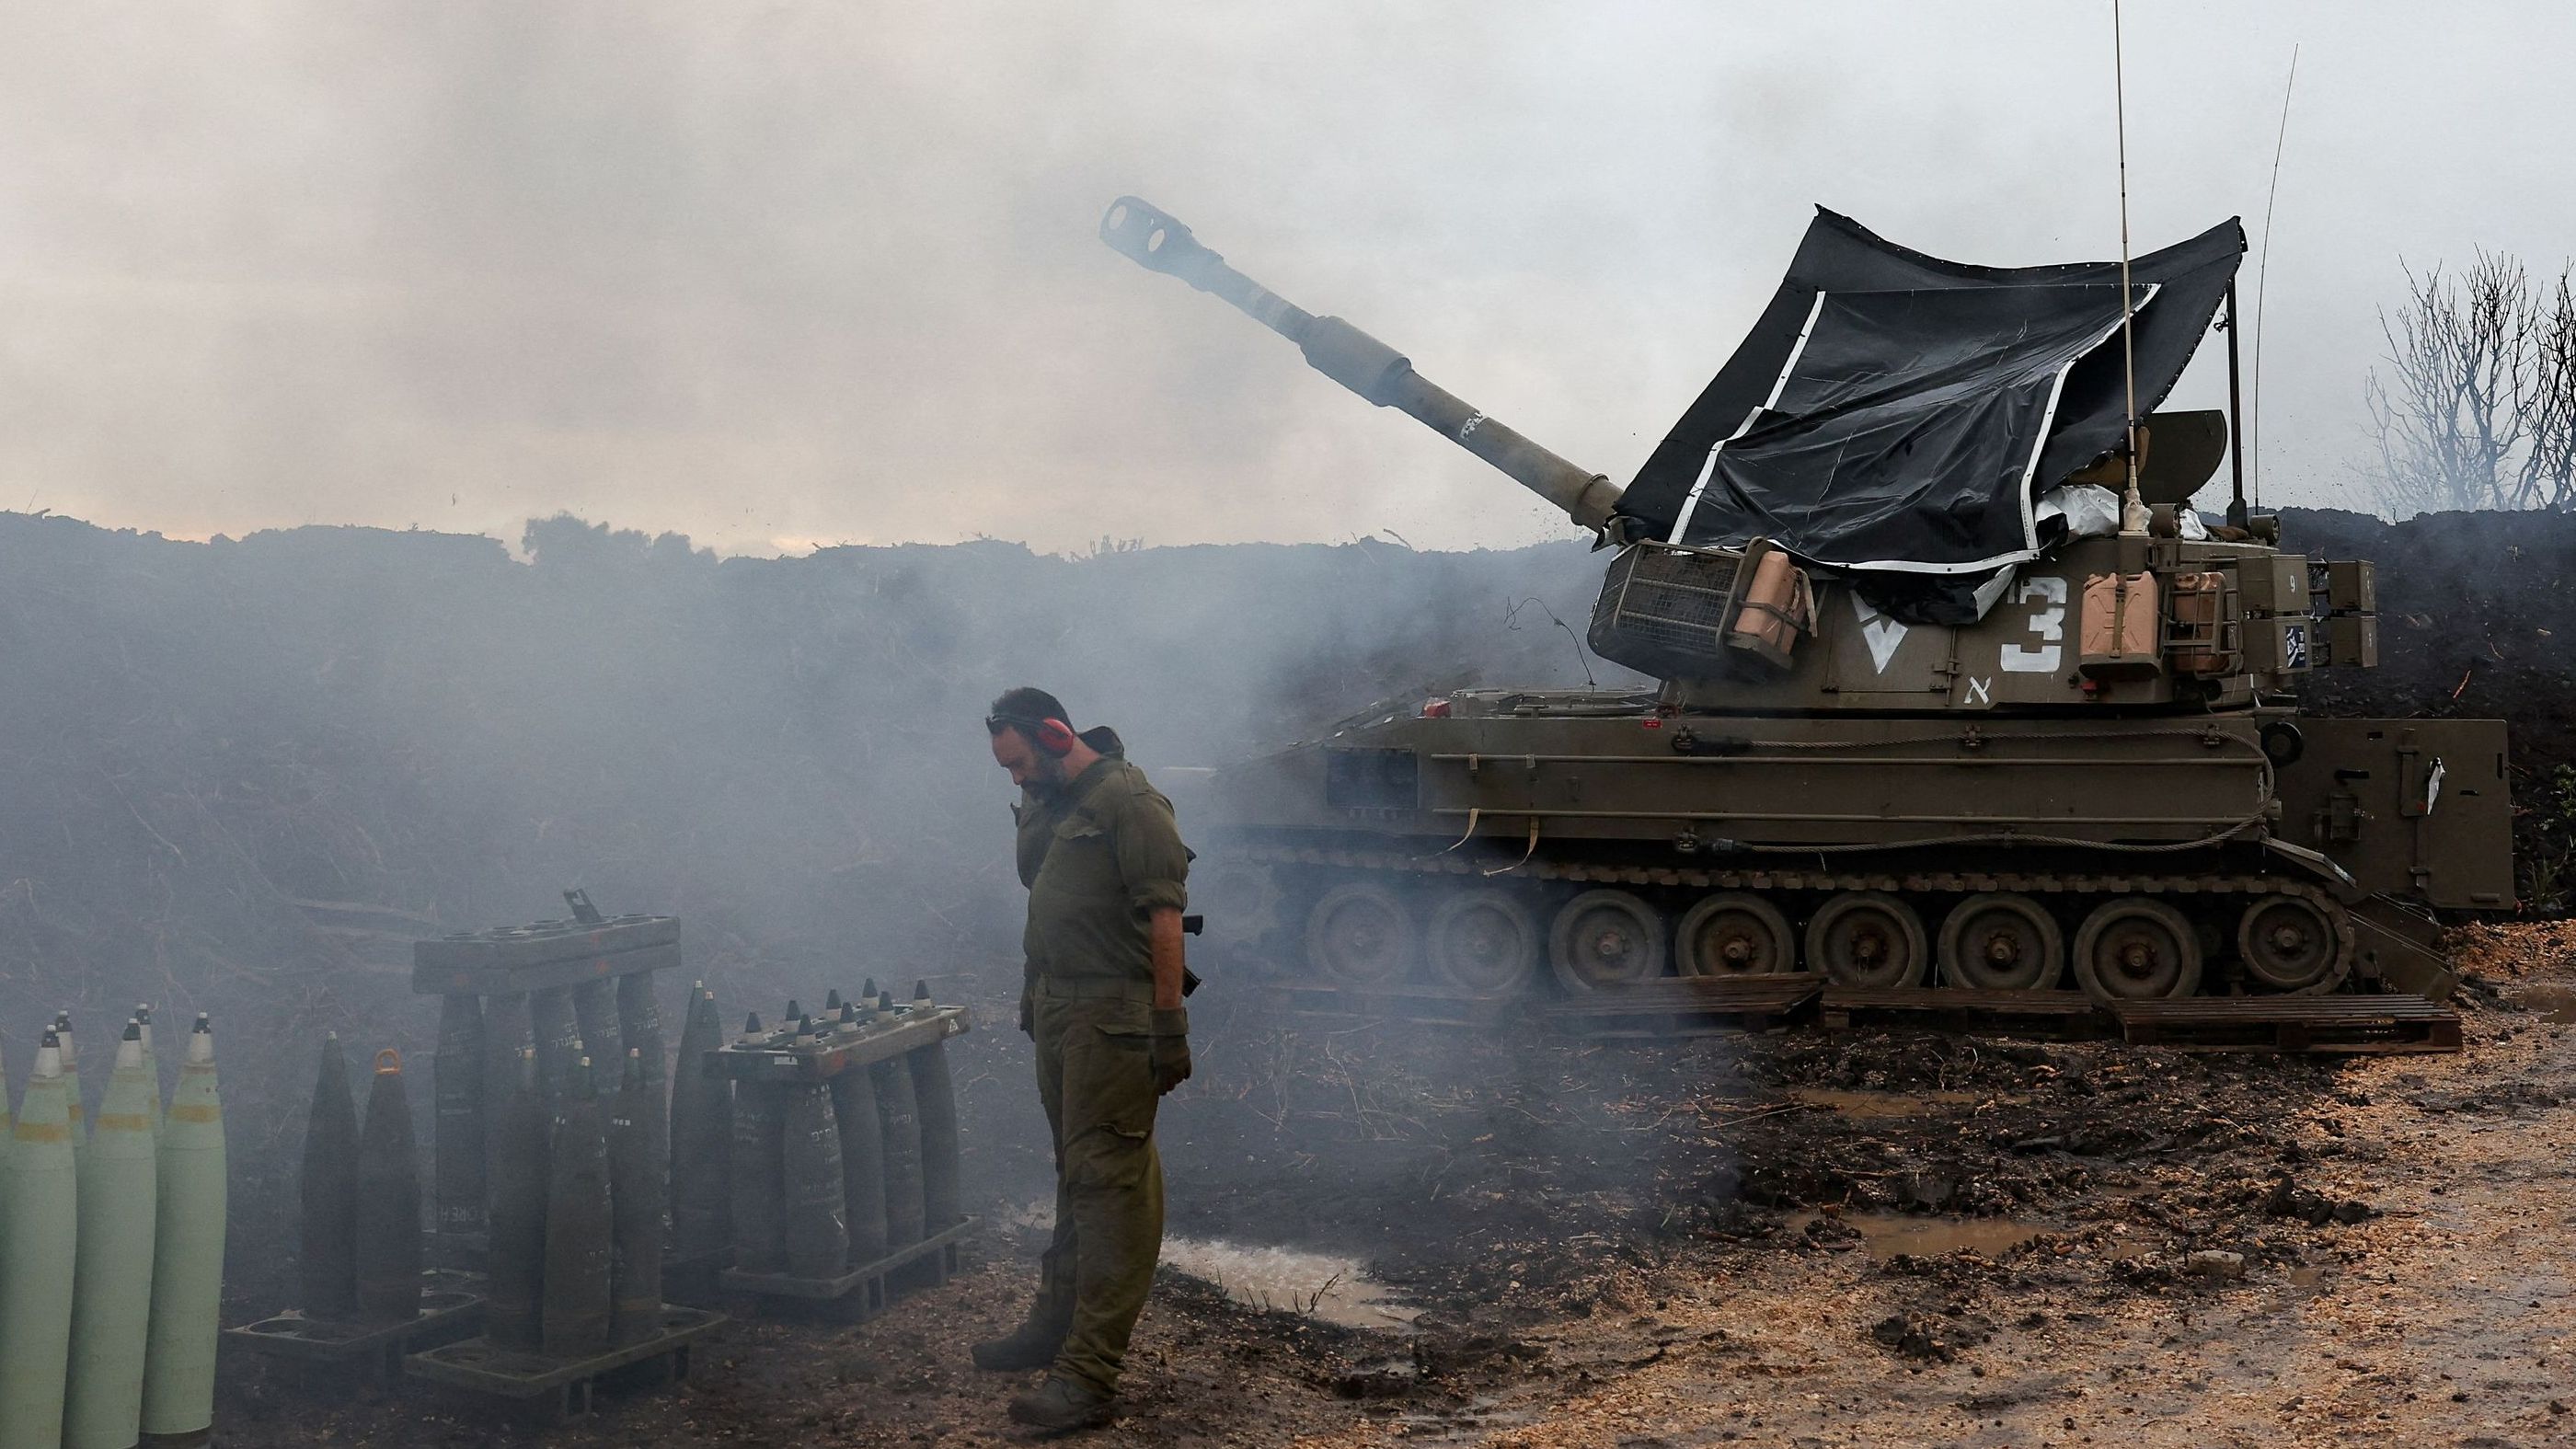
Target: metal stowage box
column 2349, row 586
column 2273, row 583
column 2350, row 640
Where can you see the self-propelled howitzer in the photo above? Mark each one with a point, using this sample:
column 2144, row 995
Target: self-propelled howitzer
column 1978, row 745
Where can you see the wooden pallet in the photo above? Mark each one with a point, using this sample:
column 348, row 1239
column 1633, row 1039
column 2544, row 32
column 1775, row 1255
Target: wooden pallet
column 465, row 1254
column 326, row 1353
column 2340, row 1025
column 553, row 1390
column 694, row 1280
column 862, row 1293
column 2061, row 1014
column 1425, row 1006
column 1687, row 1006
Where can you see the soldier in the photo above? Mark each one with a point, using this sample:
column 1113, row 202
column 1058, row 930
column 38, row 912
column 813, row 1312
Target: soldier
column 1103, row 860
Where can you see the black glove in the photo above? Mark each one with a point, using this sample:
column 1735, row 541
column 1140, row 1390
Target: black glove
column 1169, row 1049
column 1028, row 1015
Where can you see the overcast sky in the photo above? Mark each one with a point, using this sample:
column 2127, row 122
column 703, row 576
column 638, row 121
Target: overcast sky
column 822, row 273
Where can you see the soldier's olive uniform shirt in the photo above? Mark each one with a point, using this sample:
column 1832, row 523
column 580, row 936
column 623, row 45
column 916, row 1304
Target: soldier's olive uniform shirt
column 1097, row 859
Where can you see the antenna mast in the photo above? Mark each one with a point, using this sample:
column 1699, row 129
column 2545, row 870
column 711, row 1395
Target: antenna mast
column 2263, row 268
column 2133, row 510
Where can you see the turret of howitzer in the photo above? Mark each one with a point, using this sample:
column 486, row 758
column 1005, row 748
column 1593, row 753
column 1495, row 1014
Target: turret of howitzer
column 1154, row 240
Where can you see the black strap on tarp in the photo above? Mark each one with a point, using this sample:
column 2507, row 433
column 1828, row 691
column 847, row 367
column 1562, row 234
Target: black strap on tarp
column 1904, row 422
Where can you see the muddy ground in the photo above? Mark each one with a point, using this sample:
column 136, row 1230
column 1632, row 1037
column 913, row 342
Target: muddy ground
column 1800, row 1238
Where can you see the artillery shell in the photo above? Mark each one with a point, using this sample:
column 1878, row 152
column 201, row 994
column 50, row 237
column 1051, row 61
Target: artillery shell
column 388, row 1246
column 517, row 1208
column 580, row 1228
column 72, row 1085
column 854, row 1108
column 329, row 1267
column 816, row 1228
column 756, row 1178
column 557, row 1034
column 41, row 1211
column 187, row 1255
column 934, row 1094
column 639, row 1026
column 899, row 1124
column 635, row 1205
column 594, row 1005
column 701, row 1109
column 505, row 1034
column 112, row 1277
column 459, row 1123
column 151, row 1064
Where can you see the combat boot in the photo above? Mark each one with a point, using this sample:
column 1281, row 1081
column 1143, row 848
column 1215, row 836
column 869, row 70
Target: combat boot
column 1032, row 1345
column 1062, row 1405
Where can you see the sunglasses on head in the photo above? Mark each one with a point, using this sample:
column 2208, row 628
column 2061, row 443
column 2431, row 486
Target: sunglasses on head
column 1053, row 736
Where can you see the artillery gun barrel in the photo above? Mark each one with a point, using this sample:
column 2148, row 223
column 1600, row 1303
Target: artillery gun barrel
column 1153, row 239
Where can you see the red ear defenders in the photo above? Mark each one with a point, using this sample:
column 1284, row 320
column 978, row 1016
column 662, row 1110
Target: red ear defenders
column 1051, row 735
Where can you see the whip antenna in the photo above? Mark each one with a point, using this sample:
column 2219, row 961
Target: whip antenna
column 2133, row 511
column 2263, row 270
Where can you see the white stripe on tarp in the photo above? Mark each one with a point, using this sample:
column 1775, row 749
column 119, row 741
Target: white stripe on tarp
column 1708, row 469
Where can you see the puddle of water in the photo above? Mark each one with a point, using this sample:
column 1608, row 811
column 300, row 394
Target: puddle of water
column 1884, row 1235
column 2553, row 1002
column 1034, row 1216
column 1851, row 1102
column 1323, row 1286
column 1290, row 1280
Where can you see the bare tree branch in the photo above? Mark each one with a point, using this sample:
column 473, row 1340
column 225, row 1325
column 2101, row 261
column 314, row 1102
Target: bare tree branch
column 2478, row 407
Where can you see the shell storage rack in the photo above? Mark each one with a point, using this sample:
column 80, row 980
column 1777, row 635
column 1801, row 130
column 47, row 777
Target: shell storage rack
column 548, row 985
column 552, row 1158
column 844, row 1155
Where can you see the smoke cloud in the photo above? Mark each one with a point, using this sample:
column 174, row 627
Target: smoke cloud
column 819, row 273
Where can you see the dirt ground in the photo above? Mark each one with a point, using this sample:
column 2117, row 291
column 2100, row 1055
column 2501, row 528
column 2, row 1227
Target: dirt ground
column 1794, row 1239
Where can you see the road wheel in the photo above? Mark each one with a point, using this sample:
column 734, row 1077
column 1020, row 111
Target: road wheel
column 1483, row 940
column 1606, row 939
column 1360, row 933
column 2289, row 944
column 2137, row 950
column 1868, row 939
column 1734, row 934
column 2001, row 942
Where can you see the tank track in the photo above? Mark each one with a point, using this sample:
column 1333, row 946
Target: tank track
column 1799, row 891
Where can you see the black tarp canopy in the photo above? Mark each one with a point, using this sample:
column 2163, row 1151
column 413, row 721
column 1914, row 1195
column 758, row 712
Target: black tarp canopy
column 1893, row 413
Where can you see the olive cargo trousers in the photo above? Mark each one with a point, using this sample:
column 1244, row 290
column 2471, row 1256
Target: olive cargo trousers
column 1097, row 1085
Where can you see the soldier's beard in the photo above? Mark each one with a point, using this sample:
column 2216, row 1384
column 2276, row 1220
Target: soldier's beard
column 1046, row 776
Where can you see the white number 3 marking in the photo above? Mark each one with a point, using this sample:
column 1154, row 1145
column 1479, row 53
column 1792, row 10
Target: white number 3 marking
column 2047, row 622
